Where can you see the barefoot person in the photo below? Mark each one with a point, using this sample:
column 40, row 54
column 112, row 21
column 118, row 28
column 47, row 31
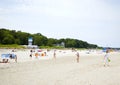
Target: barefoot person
column 54, row 54
column 31, row 53
column 77, row 54
column 106, row 58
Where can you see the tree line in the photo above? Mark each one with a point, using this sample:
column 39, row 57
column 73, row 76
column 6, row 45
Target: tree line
column 21, row 38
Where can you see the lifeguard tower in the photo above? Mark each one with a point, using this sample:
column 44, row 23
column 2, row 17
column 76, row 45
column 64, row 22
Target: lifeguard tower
column 30, row 40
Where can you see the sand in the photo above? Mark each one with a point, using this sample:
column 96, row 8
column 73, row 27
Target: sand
column 64, row 70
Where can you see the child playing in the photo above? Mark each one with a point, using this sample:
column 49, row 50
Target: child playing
column 106, row 58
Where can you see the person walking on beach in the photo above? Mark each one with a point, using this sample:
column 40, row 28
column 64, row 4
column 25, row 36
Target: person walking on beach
column 77, row 54
column 31, row 53
column 106, row 58
column 54, row 54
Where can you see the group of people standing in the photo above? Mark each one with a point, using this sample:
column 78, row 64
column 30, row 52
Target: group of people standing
column 106, row 57
column 77, row 54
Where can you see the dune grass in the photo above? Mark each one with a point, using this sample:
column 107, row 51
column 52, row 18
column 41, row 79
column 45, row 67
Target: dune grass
column 11, row 46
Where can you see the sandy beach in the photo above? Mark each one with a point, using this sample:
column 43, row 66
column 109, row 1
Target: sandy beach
column 64, row 70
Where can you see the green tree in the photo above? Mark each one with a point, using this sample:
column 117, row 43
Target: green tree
column 51, row 42
column 17, row 41
column 40, row 40
column 21, row 38
column 3, row 34
column 70, row 42
column 8, row 39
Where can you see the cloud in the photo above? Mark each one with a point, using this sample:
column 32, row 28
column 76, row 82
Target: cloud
column 82, row 9
column 76, row 11
column 64, row 18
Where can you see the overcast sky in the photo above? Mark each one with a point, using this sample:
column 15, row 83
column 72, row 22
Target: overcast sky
column 94, row 21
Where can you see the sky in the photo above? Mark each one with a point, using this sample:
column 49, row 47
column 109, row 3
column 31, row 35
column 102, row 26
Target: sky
column 94, row 21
